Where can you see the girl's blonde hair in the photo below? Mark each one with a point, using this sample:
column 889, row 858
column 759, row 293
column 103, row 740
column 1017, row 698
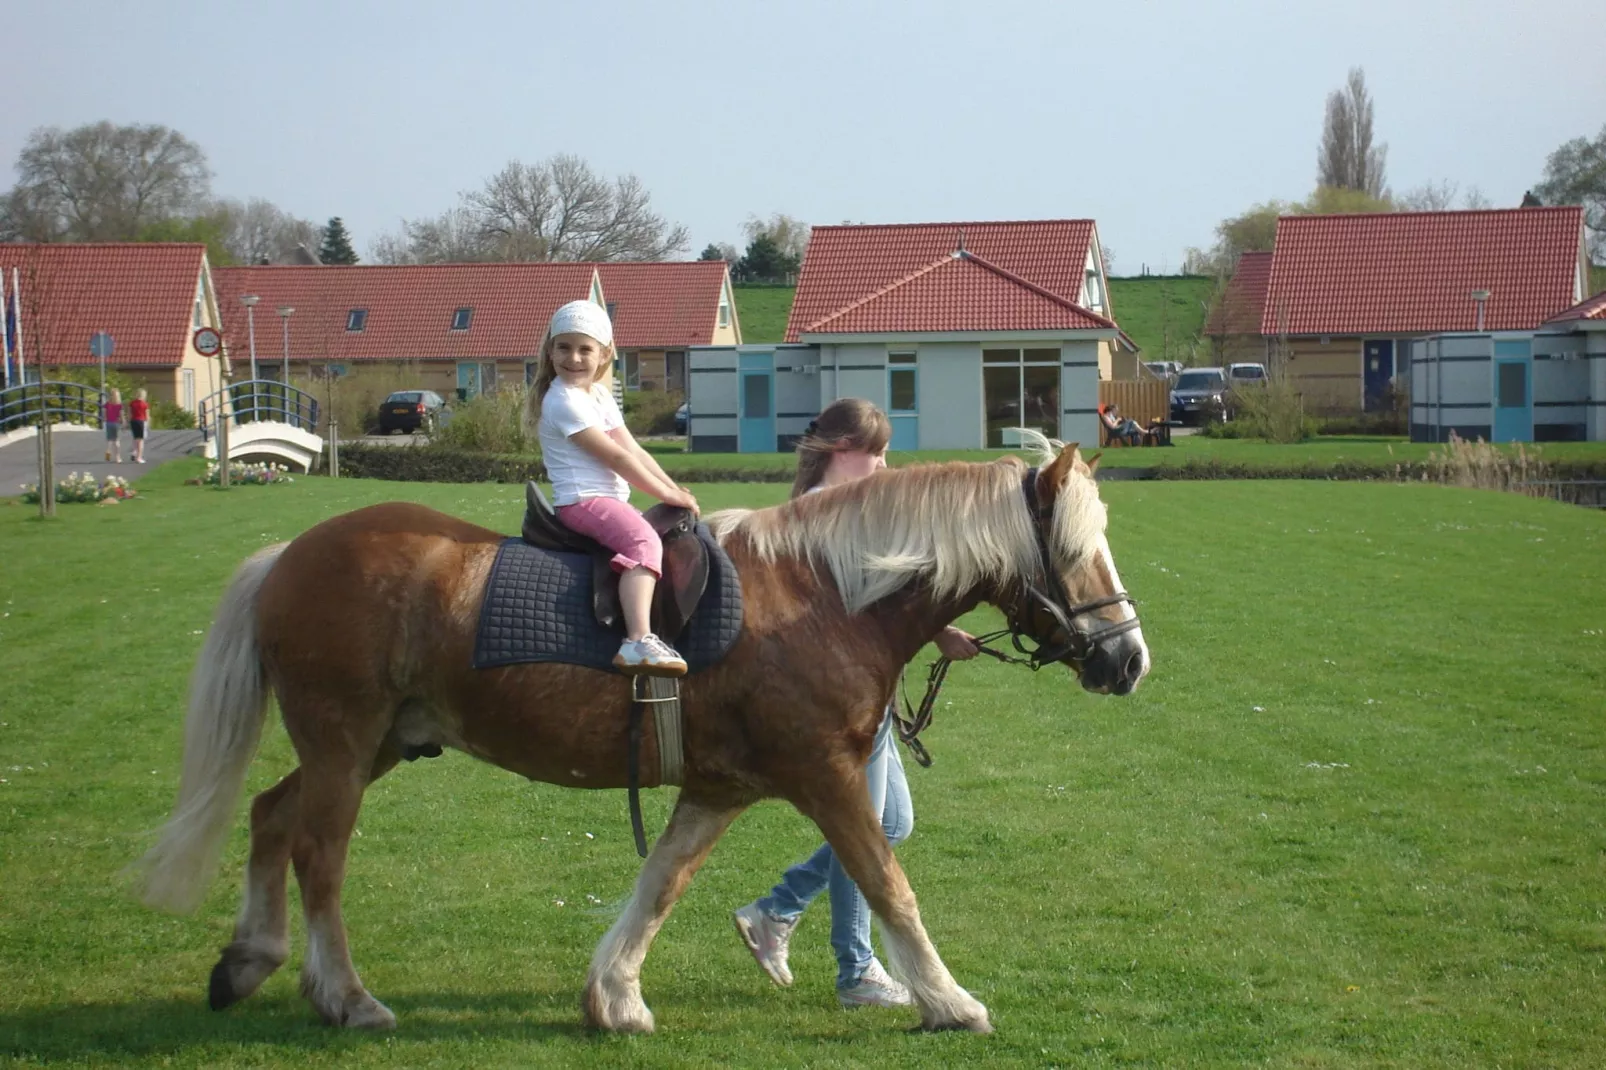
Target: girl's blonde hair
column 547, row 374
column 140, row 394
column 845, row 424
column 115, row 394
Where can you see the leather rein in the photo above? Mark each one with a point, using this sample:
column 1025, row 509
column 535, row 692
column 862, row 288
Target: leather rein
column 1034, row 600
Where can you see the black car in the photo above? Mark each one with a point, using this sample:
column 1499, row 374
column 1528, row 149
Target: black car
column 409, row 410
column 1199, row 395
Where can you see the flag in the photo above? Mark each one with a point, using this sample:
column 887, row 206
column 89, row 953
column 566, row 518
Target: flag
column 5, row 336
column 14, row 324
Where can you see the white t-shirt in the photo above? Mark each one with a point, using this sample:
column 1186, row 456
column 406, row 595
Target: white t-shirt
column 575, row 474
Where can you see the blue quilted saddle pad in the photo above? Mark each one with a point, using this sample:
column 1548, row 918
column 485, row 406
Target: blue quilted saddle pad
column 538, row 608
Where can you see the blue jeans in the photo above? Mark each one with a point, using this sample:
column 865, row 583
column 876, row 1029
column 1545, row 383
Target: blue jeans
column 850, row 912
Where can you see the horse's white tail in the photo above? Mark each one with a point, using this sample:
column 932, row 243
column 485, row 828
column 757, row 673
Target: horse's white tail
column 228, row 703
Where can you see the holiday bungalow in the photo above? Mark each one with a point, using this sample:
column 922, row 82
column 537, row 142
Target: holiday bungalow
column 962, row 332
column 1345, row 293
column 659, row 310
column 1546, row 385
column 456, row 329
column 149, row 297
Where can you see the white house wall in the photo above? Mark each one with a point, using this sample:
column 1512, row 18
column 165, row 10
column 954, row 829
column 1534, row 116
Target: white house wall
column 1452, row 386
column 1456, row 392
column 949, row 386
column 711, row 377
column 1595, row 356
column 1079, row 392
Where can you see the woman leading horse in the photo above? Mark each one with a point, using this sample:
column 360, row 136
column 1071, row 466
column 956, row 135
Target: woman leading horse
column 363, row 628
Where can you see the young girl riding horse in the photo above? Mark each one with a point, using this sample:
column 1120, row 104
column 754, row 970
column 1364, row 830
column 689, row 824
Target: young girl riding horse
column 848, row 441
column 593, row 461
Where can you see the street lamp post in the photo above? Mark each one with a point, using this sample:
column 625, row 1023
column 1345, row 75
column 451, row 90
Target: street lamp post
column 250, row 303
column 284, row 369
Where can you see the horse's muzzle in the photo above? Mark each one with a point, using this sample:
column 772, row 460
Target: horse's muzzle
column 1116, row 665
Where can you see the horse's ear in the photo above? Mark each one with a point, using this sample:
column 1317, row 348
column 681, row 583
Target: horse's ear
column 1093, row 462
column 1052, row 477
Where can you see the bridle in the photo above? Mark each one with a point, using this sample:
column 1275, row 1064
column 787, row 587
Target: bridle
column 1040, row 595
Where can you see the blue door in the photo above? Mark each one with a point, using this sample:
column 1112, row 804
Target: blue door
column 1513, row 393
column 755, row 399
column 903, row 406
column 1377, row 371
column 468, row 381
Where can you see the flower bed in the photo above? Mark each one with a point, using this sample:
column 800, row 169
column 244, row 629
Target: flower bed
column 82, row 487
column 250, row 474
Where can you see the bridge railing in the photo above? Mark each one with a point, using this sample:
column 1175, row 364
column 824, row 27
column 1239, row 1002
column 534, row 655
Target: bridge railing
column 62, row 402
column 259, row 399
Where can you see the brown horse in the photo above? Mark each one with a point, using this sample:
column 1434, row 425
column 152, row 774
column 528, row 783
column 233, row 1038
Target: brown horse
column 363, row 628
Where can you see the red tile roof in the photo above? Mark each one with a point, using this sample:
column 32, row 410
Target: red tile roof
column 1592, row 308
column 846, row 264
column 959, row 293
column 1242, row 304
column 410, row 309
column 664, row 304
column 142, row 294
column 1412, row 272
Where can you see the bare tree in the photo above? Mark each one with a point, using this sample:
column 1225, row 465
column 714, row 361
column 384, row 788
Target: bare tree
column 1437, row 196
column 102, row 182
column 259, row 232
column 1346, row 158
column 453, row 237
column 560, row 209
column 1108, row 256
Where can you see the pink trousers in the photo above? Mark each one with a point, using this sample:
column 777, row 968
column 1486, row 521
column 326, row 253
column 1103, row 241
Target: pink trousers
column 618, row 526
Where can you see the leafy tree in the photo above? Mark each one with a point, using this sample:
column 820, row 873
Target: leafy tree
column 336, row 247
column 103, row 182
column 765, row 261
column 210, row 230
column 1576, row 174
column 720, row 251
column 791, row 236
column 1346, row 157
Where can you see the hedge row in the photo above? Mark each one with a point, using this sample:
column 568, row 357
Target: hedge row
column 1353, row 471
column 432, row 464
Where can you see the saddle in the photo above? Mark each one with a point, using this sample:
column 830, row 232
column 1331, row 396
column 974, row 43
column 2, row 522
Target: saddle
column 685, row 562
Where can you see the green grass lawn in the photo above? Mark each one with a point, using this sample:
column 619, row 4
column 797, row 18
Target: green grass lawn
column 1164, row 315
column 1355, row 818
column 762, row 311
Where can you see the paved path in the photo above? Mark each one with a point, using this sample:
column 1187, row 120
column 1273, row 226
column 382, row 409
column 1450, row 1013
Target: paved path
column 84, row 451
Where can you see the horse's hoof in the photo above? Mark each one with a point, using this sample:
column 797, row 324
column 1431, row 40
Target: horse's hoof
column 368, row 1013
column 239, row 972
column 625, row 1013
column 219, row 989
column 967, row 1014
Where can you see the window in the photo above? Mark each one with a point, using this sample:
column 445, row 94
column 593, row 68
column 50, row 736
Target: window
column 900, row 358
column 462, row 318
column 632, row 361
column 1020, row 388
column 186, row 387
column 1512, row 385
column 613, row 307
column 724, row 310
column 356, row 319
column 200, row 314
column 756, row 397
column 1095, row 293
column 901, row 390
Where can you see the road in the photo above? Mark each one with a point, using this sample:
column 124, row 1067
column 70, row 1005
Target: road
column 84, row 451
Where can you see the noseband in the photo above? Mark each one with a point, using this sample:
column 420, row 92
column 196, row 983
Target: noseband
column 1047, row 596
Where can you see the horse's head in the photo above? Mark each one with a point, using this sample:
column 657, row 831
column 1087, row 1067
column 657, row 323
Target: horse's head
column 1075, row 609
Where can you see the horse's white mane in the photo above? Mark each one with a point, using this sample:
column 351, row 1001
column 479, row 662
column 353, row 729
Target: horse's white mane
column 954, row 525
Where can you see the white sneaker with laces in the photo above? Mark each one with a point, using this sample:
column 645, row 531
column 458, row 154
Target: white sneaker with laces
column 874, row 988
column 768, row 938
column 649, row 656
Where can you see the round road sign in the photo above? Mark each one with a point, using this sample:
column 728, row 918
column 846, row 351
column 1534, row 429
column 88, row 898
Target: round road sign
column 208, row 342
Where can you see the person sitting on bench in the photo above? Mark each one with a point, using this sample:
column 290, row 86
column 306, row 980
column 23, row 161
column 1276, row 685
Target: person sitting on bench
column 1118, row 427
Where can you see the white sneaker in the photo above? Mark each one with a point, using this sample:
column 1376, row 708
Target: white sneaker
column 649, row 656
column 874, row 988
column 768, row 938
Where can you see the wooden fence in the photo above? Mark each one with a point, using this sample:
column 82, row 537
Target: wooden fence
column 1143, row 400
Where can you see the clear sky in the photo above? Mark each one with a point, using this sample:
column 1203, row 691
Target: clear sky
column 1156, row 119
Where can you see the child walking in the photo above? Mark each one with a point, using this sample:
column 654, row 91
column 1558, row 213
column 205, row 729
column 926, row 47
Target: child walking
column 847, row 441
column 111, row 418
column 139, row 414
column 593, row 460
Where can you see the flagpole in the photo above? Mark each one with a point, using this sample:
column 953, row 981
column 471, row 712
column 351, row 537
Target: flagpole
column 5, row 341
column 16, row 304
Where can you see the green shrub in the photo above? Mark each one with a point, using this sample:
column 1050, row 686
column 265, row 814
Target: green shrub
column 1273, row 410
column 492, row 423
column 171, row 416
column 1391, row 423
column 652, row 412
column 435, row 463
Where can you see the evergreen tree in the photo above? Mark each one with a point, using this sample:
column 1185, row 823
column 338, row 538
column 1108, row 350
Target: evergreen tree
column 336, row 247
